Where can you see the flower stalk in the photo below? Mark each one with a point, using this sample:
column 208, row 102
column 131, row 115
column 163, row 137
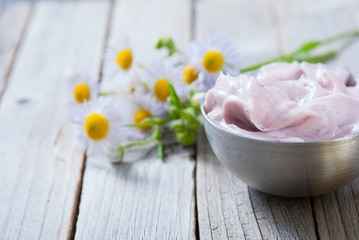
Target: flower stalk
column 183, row 119
column 304, row 52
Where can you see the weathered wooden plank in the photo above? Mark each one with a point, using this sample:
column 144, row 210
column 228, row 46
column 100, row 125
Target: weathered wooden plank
column 41, row 166
column 226, row 207
column 147, row 199
column 228, row 210
column 163, row 18
column 13, row 20
column 291, row 217
column 310, row 20
column 249, row 22
column 336, row 213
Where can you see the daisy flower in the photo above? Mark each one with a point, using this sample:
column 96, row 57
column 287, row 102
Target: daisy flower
column 214, row 54
column 100, row 127
column 160, row 74
column 79, row 89
column 192, row 77
column 135, row 85
column 138, row 108
column 119, row 59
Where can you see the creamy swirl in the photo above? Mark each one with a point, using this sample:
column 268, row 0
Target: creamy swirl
column 287, row 102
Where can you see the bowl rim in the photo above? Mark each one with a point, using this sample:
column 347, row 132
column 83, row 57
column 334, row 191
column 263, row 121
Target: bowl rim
column 268, row 141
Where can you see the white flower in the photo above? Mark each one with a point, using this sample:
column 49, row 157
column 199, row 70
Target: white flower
column 79, row 89
column 192, row 77
column 138, row 108
column 197, row 99
column 214, row 54
column 135, row 85
column 100, row 127
column 119, row 62
column 160, row 74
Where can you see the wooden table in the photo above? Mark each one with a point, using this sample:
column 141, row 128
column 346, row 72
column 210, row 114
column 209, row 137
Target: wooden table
column 50, row 190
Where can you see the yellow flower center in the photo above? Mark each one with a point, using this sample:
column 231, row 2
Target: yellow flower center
column 96, row 126
column 124, row 59
column 190, row 74
column 213, row 61
column 139, row 116
column 161, row 90
column 81, row 93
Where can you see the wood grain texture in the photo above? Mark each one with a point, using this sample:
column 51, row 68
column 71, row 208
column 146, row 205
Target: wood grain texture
column 228, row 209
column 147, row 199
column 40, row 162
column 224, row 208
column 308, row 20
column 283, row 218
column 336, row 213
column 145, row 21
column 249, row 22
column 13, row 19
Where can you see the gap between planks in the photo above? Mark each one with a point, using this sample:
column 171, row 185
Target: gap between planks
column 77, row 200
column 76, row 210
column 335, row 214
column 53, row 216
column 153, row 199
column 195, row 155
column 19, row 37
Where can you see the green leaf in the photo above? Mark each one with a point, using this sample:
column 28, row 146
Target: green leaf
column 160, row 43
column 309, row 46
column 174, row 99
column 186, row 138
column 194, row 126
column 193, row 92
column 166, row 42
column 321, row 58
column 178, row 126
column 174, row 112
column 190, row 114
column 170, row 46
column 190, row 111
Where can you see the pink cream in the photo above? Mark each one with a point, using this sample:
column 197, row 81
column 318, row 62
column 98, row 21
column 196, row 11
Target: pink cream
column 287, row 102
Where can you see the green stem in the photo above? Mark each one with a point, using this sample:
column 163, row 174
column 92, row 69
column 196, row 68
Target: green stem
column 145, row 123
column 154, row 136
column 296, row 55
column 167, row 120
column 107, row 93
column 341, row 36
column 258, row 65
